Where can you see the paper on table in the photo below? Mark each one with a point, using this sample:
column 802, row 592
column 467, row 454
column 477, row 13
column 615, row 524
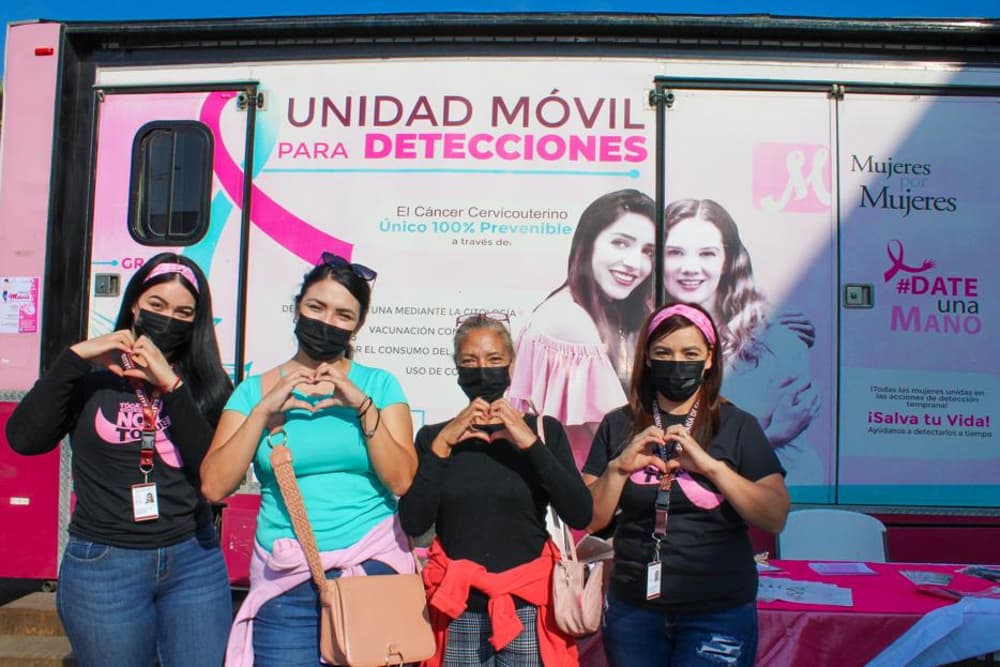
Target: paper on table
column 841, row 568
column 768, row 567
column 803, row 592
column 924, row 577
column 592, row 549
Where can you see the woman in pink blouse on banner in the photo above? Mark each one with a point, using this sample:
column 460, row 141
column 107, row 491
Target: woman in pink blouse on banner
column 575, row 353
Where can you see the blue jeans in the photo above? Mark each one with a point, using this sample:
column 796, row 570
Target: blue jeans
column 136, row 606
column 638, row 637
column 286, row 628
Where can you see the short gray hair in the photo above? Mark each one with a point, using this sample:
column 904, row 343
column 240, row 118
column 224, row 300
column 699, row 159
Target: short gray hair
column 482, row 321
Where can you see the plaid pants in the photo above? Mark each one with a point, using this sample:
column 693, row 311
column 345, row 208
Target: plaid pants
column 468, row 642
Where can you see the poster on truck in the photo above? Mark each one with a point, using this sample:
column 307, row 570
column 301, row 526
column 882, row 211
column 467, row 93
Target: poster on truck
column 920, row 378
column 463, row 185
column 750, row 235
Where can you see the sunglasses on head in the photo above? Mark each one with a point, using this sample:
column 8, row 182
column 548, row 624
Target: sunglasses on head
column 494, row 316
column 360, row 270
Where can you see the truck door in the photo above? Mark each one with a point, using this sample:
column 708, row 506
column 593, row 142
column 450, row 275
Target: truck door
column 170, row 177
column 750, row 233
column 919, row 370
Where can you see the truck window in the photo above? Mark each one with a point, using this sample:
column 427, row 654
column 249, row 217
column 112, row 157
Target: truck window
column 171, row 183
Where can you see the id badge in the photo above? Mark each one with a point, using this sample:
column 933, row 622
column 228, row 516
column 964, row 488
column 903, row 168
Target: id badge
column 654, row 571
column 145, row 504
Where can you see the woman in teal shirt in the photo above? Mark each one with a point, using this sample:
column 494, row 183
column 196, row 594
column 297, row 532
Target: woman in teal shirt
column 351, row 436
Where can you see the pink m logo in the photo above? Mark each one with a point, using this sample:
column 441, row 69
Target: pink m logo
column 791, row 177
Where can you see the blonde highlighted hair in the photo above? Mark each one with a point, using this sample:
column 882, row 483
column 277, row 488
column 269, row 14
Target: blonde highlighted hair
column 742, row 307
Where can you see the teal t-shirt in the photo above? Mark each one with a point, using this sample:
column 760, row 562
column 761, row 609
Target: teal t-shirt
column 343, row 495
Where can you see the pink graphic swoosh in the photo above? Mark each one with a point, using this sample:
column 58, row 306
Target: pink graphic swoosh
column 291, row 232
column 110, row 433
column 695, row 492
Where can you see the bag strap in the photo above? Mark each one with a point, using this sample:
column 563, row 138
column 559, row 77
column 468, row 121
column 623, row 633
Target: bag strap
column 284, row 473
column 568, row 546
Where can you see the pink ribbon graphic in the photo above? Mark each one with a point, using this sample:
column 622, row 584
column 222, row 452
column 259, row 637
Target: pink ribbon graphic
column 112, row 434
column 693, row 490
column 897, row 262
column 291, row 232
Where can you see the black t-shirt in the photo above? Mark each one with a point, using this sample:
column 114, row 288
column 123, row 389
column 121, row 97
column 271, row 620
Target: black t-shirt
column 707, row 556
column 488, row 501
column 103, row 418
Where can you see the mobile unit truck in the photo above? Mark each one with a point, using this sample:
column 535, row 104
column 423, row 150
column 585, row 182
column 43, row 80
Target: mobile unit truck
column 455, row 153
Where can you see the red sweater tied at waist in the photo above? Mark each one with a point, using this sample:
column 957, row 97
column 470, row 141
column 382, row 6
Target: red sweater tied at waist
column 448, row 582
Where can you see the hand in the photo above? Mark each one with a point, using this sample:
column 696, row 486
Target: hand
column 106, row 350
column 690, row 454
column 515, row 428
column 800, row 324
column 330, row 380
column 150, row 365
column 640, row 453
column 280, row 398
column 796, row 404
column 461, row 428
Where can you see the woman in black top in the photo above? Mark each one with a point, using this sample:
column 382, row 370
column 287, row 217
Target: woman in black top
column 142, row 577
column 484, row 481
column 683, row 591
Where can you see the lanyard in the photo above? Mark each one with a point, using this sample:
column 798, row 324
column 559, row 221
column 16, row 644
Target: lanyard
column 150, row 408
column 662, row 504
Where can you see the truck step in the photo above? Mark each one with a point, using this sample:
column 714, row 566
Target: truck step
column 32, row 615
column 26, row 651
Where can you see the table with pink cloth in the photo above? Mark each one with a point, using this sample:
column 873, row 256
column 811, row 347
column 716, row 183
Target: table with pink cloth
column 886, row 605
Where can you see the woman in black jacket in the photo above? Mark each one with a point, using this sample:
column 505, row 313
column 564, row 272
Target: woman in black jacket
column 142, row 577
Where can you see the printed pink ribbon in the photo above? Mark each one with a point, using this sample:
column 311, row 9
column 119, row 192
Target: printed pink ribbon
column 693, row 490
column 111, row 434
column 291, row 232
column 897, row 262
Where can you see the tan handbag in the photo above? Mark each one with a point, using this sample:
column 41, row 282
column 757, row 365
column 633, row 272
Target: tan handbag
column 577, row 588
column 364, row 621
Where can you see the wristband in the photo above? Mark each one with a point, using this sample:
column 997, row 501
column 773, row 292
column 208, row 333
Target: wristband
column 177, row 383
column 378, row 420
column 363, row 408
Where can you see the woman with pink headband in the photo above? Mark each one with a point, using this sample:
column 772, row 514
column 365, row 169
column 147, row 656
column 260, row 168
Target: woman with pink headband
column 142, row 577
column 682, row 591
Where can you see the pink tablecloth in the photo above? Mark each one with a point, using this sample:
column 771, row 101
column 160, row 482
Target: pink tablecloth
column 886, row 604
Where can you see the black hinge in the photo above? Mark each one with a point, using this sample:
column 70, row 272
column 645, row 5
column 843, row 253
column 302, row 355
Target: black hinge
column 666, row 97
column 244, row 98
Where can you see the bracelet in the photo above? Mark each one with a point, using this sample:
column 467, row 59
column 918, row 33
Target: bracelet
column 378, row 420
column 363, row 408
column 177, row 383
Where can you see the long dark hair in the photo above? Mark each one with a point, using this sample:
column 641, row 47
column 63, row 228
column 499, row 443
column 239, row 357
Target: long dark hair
column 612, row 318
column 198, row 362
column 741, row 306
column 359, row 288
column 642, row 393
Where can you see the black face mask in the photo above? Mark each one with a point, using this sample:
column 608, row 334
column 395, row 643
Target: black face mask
column 169, row 334
column 487, row 382
column 321, row 341
column 677, row 380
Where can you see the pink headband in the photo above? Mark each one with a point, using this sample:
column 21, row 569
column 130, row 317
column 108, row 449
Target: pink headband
column 173, row 267
column 697, row 318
